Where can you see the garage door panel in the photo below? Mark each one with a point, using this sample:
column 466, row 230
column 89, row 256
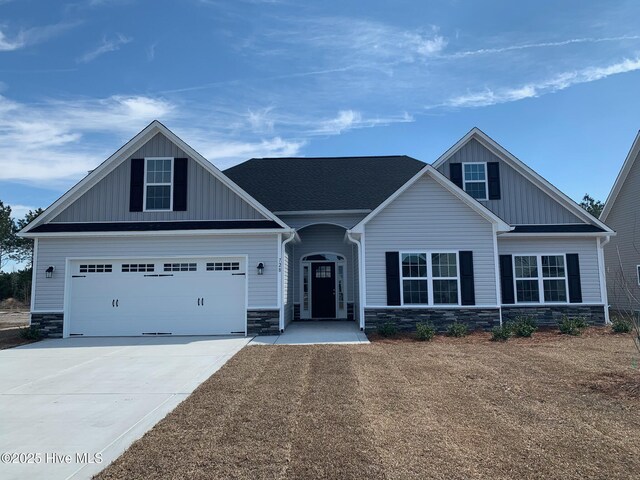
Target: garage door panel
column 169, row 296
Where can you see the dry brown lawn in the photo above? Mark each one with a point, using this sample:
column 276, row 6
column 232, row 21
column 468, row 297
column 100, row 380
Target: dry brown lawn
column 551, row 408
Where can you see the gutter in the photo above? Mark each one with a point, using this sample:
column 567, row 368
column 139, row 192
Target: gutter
column 292, row 236
column 361, row 284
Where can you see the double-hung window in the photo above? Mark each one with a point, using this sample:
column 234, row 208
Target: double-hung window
column 430, row 278
column 474, row 176
column 158, row 186
column 540, row 278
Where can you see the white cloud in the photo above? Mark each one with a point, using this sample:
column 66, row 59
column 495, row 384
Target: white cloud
column 107, row 45
column 224, row 153
column 261, row 120
column 556, row 83
column 562, row 43
column 31, row 36
column 349, row 119
column 151, row 52
column 19, row 211
column 53, row 141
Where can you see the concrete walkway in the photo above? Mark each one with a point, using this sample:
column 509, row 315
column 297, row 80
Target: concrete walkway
column 315, row 332
column 94, row 397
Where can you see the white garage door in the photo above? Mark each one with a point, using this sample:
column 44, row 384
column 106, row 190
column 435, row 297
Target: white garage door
column 166, row 296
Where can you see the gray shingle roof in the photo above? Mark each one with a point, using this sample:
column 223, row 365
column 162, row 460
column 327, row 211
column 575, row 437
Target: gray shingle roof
column 323, row 183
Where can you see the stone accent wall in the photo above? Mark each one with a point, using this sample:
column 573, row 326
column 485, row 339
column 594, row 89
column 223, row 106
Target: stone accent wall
column 296, row 311
column 49, row 324
column 350, row 311
column 550, row 315
column 263, row 322
column 405, row 319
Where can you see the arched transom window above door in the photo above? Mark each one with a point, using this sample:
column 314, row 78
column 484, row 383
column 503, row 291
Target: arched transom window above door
column 323, row 257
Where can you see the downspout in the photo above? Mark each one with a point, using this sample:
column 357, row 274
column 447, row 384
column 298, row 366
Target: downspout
column 360, row 278
column 292, row 235
column 603, row 277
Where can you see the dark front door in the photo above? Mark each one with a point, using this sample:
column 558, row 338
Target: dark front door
column 323, row 290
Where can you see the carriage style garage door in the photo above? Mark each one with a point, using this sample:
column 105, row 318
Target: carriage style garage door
column 166, row 296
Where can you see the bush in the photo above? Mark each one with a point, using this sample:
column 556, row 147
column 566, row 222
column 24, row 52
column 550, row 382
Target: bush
column 500, row 333
column 387, row 329
column 425, row 331
column 621, row 325
column 523, row 326
column 572, row 325
column 457, row 329
column 30, row 333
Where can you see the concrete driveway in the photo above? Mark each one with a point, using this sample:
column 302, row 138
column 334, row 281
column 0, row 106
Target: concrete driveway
column 69, row 407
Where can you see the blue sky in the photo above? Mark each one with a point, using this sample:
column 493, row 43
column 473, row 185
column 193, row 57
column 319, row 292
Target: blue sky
column 556, row 83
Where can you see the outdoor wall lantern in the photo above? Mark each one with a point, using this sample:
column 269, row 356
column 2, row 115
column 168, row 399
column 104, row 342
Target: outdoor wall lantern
column 260, row 268
column 49, row 271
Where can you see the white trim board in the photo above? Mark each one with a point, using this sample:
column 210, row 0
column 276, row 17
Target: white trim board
column 524, row 170
column 502, row 226
column 125, row 152
column 622, row 176
column 266, row 231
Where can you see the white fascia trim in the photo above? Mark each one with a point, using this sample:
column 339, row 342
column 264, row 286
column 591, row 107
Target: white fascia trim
column 622, row 176
column 524, row 170
column 129, row 149
column 154, row 233
column 501, row 225
column 321, row 212
column 557, row 234
column 552, row 304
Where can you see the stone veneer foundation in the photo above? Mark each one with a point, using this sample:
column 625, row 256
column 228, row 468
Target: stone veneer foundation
column 263, row 322
column 550, row 315
column 405, row 319
column 49, row 324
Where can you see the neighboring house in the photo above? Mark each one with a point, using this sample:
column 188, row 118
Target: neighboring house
column 156, row 240
column 622, row 213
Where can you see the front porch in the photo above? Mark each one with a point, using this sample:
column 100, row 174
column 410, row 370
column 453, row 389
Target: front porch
column 321, row 277
column 315, row 333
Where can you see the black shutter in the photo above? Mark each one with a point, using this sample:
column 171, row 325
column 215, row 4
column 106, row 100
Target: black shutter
column 180, row 166
column 393, row 278
column 467, row 286
column 506, row 279
column 493, row 177
column 136, row 190
column 573, row 274
column 455, row 173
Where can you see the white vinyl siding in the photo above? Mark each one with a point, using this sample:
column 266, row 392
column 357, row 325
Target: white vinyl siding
column 427, row 217
column 586, row 248
column 521, row 202
column 49, row 294
column 622, row 253
column 207, row 197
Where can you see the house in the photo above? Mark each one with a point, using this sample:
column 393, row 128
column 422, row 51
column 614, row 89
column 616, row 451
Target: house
column 156, row 240
column 622, row 253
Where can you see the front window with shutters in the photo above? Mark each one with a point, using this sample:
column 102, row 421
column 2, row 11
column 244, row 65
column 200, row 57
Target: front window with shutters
column 474, row 178
column 430, row 278
column 158, row 184
column 540, row 278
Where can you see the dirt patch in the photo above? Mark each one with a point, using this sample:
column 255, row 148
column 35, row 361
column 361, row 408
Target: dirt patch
column 10, row 337
column 12, row 319
column 615, row 384
column 449, row 409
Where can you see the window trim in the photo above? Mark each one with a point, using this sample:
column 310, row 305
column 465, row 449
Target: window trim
column 485, row 181
column 540, row 278
column 144, row 194
column 429, row 278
